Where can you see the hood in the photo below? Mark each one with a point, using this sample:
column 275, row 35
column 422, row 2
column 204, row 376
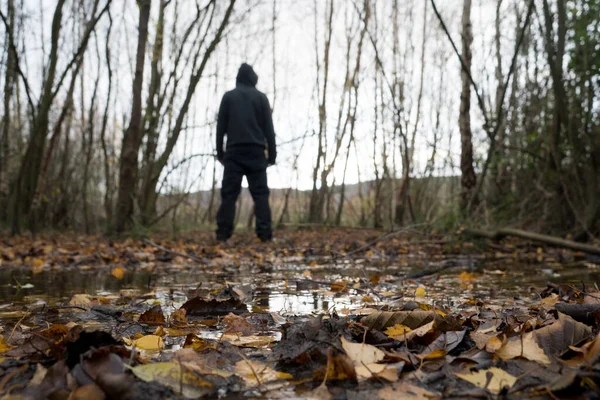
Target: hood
column 246, row 76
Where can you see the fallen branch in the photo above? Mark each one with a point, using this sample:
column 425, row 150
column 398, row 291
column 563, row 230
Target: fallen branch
column 177, row 253
column 537, row 237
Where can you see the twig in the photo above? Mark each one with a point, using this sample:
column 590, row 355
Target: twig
column 177, row 253
column 15, row 327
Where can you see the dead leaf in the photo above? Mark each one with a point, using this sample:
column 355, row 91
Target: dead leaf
column 178, row 318
column 88, row 392
column 525, row 347
column 248, row 341
column 118, row 272
column 236, row 324
column 365, row 358
column 149, row 342
column 201, row 308
column 555, row 339
column 4, row 347
column 153, row 316
column 256, row 373
column 411, row 319
column 493, row 379
column 175, row 376
column 405, row 391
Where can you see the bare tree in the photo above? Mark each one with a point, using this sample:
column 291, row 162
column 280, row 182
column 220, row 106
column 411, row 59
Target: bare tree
column 132, row 138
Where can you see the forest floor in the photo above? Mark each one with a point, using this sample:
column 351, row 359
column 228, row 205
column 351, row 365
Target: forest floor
column 317, row 314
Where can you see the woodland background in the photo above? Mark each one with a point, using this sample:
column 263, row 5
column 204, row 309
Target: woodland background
column 403, row 112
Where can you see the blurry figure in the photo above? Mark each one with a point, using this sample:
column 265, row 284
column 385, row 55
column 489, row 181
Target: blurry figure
column 245, row 118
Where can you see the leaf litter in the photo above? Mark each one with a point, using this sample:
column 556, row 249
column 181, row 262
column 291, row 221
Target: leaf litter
column 301, row 318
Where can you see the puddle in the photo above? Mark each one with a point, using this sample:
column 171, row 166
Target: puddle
column 283, row 288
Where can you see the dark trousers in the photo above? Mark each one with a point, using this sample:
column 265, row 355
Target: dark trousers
column 251, row 162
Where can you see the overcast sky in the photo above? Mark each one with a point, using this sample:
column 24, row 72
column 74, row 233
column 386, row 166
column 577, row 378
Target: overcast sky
column 249, row 39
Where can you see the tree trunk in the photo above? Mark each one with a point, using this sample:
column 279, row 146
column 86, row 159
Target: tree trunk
column 9, row 83
column 468, row 179
column 133, row 135
column 155, row 169
column 108, row 201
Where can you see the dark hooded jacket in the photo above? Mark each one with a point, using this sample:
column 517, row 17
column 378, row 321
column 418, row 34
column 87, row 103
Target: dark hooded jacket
column 245, row 117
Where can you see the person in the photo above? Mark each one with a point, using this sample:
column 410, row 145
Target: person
column 245, row 118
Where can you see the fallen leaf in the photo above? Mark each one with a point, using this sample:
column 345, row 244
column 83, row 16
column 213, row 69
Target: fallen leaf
column 201, row 308
column 80, row 300
column 466, row 277
column 178, row 318
column 149, row 342
column 341, row 286
column 397, row 332
column 88, row 392
column 405, row 391
column 525, row 347
column 153, row 316
column 555, row 339
column 248, row 341
column 236, row 324
column 256, row 373
column 4, row 347
column 362, row 353
column 493, row 379
column 175, row 376
column 118, row 272
column 420, row 292
column 411, row 319
column 365, row 358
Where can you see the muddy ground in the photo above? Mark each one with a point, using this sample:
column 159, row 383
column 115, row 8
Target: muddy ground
column 319, row 313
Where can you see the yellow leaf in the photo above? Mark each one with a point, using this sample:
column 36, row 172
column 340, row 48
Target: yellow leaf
column 149, row 342
column 397, row 331
column 367, row 299
column 420, row 292
column 499, row 379
column 4, row 347
column 466, row 277
column 493, row 345
column 176, row 377
column 439, row 353
column 37, row 262
column 118, row 273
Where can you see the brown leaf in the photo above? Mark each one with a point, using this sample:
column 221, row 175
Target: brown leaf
column 178, row 318
column 339, row 368
column 201, row 308
column 405, row 391
column 411, row 319
column 237, row 324
column 153, row 316
column 555, row 339
column 88, row 392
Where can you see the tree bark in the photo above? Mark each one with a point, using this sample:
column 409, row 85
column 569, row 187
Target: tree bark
column 9, row 83
column 468, row 179
column 132, row 139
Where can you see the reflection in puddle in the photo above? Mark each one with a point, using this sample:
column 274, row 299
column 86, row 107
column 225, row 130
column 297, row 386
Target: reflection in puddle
column 19, row 287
